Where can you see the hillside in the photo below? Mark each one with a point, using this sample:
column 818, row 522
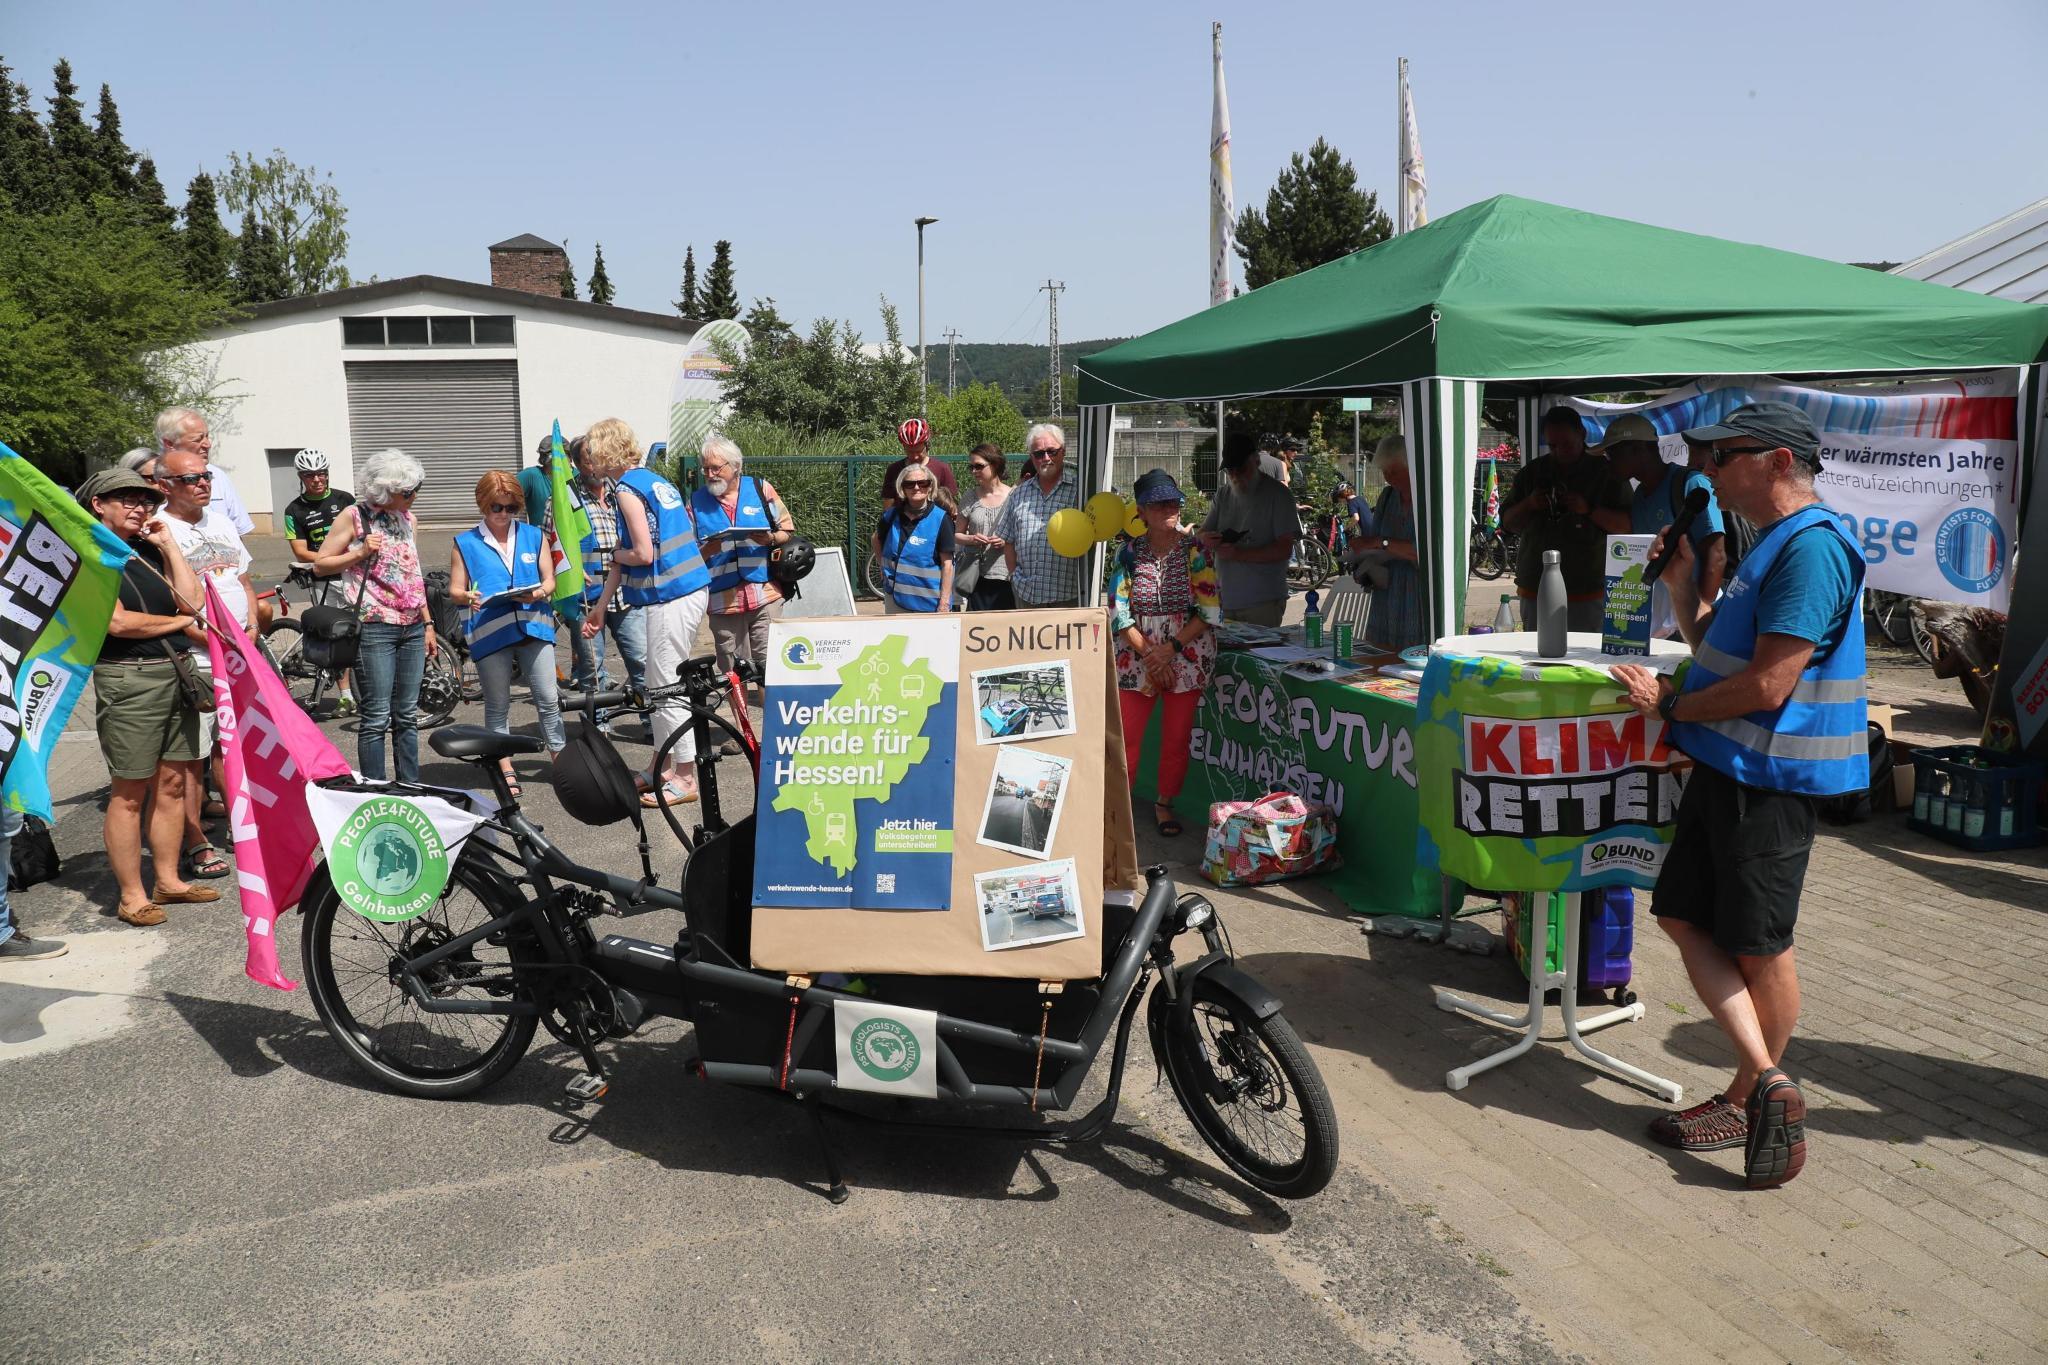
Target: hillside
column 1018, row 368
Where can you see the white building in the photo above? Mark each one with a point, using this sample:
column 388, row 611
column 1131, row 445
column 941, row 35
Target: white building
column 465, row 377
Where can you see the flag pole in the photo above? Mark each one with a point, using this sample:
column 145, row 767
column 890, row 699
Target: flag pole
column 1400, row 145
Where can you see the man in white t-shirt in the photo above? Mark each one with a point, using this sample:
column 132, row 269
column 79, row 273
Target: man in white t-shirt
column 216, row 553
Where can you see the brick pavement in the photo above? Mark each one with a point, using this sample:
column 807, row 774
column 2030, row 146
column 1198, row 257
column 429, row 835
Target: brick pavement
column 1919, row 1230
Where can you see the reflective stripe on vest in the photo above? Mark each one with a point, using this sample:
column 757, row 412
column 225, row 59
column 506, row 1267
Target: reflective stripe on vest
column 742, row 561
column 490, row 629
column 678, row 569
column 1815, row 744
column 910, row 562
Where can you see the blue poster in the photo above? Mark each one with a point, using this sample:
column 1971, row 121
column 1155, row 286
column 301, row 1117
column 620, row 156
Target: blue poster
column 855, row 806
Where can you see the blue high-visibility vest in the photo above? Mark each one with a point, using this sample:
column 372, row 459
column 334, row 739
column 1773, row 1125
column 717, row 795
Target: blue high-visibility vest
column 678, row 568
column 910, row 559
column 733, row 562
column 490, row 629
column 1816, row 743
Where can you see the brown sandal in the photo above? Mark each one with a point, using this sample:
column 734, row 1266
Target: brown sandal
column 145, row 916
column 191, row 895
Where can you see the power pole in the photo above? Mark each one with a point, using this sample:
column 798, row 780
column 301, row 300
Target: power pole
column 952, row 335
column 1052, row 290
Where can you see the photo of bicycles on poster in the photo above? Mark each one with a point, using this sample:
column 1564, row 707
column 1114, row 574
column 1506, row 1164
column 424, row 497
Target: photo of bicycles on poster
column 1027, row 701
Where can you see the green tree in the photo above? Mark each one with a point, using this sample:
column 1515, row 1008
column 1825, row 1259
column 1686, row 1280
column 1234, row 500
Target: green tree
column 117, row 161
column 766, row 327
column 721, row 297
column 827, row 381
column 301, row 208
column 1315, row 213
column 80, row 172
column 28, row 168
column 261, row 271
column 568, row 277
column 151, row 204
column 688, row 304
column 78, row 393
column 600, row 283
column 208, row 248
column 975, row 414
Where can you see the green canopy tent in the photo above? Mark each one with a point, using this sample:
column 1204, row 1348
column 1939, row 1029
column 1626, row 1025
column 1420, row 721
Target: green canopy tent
column 1521, row 298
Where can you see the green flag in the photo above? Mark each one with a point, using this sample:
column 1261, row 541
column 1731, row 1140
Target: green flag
column 572, row 524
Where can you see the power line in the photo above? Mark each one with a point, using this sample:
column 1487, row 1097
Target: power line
column 952, row 336
column 1052, row 290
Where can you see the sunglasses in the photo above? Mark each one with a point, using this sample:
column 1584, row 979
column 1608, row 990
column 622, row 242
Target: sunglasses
column 1722, row 457
column 504, row 507
column 186, row 479
column 977, row 466
column 409, row 492
column 1049, row 450
column 917, row 483
column 135, row 499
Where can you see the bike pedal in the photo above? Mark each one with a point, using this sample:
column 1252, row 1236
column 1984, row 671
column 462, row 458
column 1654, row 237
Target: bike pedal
column 586, row 1088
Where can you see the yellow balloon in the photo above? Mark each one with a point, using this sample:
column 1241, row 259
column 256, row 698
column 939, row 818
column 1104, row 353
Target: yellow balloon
column 1106, row 511
column 1135, row 526
column 1070, row 532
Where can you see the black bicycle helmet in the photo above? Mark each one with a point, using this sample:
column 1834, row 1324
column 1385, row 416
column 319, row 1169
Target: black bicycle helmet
column 790, row 563
column 592, row 781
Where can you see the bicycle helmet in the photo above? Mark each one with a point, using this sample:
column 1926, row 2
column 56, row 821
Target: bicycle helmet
column 310, row 461
column 592, row 781
column 790, row 564
column 914, row 432
column 1289, row 443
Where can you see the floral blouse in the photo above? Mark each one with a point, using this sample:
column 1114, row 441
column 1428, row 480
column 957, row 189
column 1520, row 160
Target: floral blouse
column 397, row 591
column 1158, row 594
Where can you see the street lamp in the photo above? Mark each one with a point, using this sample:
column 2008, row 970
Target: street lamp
column 922, row 223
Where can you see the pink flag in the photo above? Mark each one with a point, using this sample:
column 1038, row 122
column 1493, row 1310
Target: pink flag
column 270, row 749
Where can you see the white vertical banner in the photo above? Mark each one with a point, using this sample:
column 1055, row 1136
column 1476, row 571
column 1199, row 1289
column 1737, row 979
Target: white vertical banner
column 1222, row 202
column 1097, row 473
column 1440, row 420
column 1414, row 196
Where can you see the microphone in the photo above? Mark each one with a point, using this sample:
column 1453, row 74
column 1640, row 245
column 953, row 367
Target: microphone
column 1695, row 503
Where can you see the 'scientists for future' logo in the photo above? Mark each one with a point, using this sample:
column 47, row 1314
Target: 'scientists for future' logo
column 886, row 1050
column 389, row 862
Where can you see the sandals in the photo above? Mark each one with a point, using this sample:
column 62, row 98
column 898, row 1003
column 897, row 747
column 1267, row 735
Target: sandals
column 667, row 794
column 1706, row 1127
column 1168, row 825
column 1776, row 1150
column 511, row 780
column 204, row 860
column 191, row 895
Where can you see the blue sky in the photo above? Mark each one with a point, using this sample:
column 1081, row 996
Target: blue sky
column 1055, row 139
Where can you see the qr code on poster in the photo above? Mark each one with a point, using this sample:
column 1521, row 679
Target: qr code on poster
column 885, row 883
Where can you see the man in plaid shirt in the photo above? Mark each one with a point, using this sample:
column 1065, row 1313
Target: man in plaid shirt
column 628, row 627
column 1039, row 576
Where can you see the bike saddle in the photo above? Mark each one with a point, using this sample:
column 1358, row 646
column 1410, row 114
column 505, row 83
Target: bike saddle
column 473, row 741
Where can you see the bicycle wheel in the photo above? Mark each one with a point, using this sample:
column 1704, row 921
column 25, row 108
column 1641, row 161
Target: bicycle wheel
column 1310, row 567
column 351, row 964
column 440, row 693
column 1250, row 1088
column 284, row 644
column 1892, row 615
column 1916, row 621
column 1489, row 557
column 871, row 577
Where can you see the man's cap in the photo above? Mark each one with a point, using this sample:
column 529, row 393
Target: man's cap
column 1775, row 424
column 1156, row 485
column 108, row 482
column 1630, row 426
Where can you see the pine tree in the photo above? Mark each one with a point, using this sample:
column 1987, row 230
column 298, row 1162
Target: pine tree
column 28, row 168
column 721, row 297
column 207, row 249
column 115, row 157
column 80, row 172
column 151, row 204
column 689, row 303
column 600, row 283
column 1314, row 214
column 568, row 272
column 261, row 272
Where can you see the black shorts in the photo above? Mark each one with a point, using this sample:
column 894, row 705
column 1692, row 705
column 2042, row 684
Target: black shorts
column 1737, row 863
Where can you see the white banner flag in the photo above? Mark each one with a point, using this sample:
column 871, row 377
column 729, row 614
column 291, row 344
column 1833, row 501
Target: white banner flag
column 1222, row 202
column 1414, row 185
column 388, row 855
column 885, row 1049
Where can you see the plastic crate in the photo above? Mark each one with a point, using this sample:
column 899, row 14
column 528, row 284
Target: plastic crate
column 1606, row 934
column 1976, row 798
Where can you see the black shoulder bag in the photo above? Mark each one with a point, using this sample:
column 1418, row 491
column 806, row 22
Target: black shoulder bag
column 329, row 637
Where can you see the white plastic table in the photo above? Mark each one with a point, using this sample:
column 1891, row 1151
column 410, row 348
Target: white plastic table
column 1665, row 655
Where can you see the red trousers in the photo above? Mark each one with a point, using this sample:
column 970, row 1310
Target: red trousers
column 1176, row 724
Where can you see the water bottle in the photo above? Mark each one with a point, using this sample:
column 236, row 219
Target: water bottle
column 1552, row 615
column 1937, row 801
column 1312, row 624
column 1923, row 788
column 1508, row 618
column 2008, row 808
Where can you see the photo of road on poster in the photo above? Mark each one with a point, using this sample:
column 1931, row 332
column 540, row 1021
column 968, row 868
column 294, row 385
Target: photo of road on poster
column 1025, row 905
column 1025, row 793
column 855, row 801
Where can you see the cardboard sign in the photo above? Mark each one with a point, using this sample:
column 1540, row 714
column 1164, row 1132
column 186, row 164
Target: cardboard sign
column 1062, row 795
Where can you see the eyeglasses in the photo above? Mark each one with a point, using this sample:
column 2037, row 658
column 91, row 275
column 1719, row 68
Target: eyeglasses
column 1722, row 457
column 504, row 507
column 1048, row 450
column 132, row 498
column 186, row 479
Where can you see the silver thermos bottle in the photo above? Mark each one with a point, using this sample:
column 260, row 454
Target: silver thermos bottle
column 1552, row 616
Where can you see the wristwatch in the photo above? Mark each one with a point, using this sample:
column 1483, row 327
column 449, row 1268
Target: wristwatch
column 1666, row 704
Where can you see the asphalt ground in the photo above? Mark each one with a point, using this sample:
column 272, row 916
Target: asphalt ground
column 196, row 1171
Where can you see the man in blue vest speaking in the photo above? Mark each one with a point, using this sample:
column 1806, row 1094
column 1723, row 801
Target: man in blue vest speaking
column 1771, row 711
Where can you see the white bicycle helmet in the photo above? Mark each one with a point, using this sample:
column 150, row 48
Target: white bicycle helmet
column 310, row 461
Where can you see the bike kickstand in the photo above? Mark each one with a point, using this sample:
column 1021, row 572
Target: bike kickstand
column 837, row 1192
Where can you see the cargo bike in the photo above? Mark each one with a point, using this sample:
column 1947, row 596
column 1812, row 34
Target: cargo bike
column 444, row 1004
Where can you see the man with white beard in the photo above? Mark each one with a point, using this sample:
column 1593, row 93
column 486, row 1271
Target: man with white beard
column 739, row 521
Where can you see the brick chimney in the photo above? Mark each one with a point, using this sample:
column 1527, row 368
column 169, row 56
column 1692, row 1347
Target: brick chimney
column 529, row 264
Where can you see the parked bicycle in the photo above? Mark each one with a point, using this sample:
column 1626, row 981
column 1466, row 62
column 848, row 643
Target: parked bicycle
column 445, row 1004
column 1316, row 555
column 1893, row 615
column 316, row 687
column 1493, row 551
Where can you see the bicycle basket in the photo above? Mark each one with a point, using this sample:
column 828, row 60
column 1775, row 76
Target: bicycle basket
column 329, row 636
column 447, row 616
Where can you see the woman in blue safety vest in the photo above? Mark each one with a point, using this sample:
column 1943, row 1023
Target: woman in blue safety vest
column 501, row 570
column 914, row 545
column 659, row 569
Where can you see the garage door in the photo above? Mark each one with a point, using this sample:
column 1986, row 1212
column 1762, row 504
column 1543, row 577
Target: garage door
column 458, row 418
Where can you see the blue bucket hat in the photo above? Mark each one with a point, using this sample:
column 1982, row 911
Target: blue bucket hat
column 1156, row 485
